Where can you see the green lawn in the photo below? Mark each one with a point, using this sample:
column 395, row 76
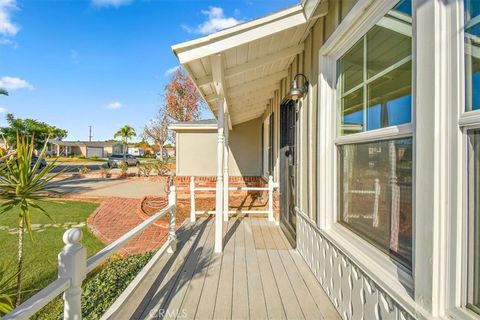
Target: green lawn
column 40, row 267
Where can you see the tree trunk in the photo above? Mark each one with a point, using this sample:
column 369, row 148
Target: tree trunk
column 160, row 148
column 21, row 231
column 125, row 147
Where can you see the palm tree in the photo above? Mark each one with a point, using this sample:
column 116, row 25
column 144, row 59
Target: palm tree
column 4, row 92
column 23, row 186
column 126, row 132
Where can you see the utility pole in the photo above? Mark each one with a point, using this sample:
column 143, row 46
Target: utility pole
column 90, row 134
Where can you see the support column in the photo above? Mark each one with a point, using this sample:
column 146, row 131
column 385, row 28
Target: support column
column 219, row 187
column 226, row 176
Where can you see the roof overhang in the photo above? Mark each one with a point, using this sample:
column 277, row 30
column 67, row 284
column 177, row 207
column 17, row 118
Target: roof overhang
column 239, row 68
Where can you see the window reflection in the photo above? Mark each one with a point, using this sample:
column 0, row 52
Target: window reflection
column 472, row 54
column 376, row 194
column 375, row 88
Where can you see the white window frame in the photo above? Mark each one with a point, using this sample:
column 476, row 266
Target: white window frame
column 390, row 275
column 457, row 298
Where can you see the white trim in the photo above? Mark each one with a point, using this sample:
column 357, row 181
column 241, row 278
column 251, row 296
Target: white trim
column 192, row 126
column 388, row 133
column 230, row 38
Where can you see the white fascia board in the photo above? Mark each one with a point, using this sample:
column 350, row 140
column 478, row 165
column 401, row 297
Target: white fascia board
column 315, row 8
column 213, row 46
column 185, row 46
column 193, row 126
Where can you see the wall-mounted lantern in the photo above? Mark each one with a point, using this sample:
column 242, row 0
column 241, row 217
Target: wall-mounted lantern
column 297, row 92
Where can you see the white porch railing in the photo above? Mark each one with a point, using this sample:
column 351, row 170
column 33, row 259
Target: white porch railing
column 270, row 188
column 73, row 266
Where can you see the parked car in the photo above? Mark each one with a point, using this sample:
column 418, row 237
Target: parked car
column 115, row 159
column 43, row 162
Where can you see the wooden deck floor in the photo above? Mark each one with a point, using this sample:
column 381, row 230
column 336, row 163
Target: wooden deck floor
column 259, row 276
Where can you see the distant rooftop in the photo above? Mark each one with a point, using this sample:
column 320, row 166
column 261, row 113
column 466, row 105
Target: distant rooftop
column 93, row 144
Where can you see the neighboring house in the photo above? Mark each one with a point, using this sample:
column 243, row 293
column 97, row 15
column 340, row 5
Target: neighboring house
column 88, row 149
column 136, row 151
column 170, row 151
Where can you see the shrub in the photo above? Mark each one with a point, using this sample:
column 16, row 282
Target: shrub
column 102, row 289
column 104, row 172
column 81, row 156
column 162, row 168
column 94, row 156
column 123, row 166
column 7, row 290
column 84, row 170
column 145, row 169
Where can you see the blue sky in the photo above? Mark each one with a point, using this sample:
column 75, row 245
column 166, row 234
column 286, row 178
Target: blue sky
column 75, row 63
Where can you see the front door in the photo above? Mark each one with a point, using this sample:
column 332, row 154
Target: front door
column 288, row 217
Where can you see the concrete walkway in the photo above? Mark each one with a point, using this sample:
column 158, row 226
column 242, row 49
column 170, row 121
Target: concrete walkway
column 105, row 188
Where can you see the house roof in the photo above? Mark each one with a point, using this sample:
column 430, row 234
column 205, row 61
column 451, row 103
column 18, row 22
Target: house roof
column 204, row 124
column 92, row 144
column 244, row 64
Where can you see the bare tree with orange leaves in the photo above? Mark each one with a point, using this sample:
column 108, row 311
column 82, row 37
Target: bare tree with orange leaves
column 183, row 102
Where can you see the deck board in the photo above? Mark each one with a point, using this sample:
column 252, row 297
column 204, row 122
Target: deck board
column 223, row 303
column 289, row 299
column 258, row 276
column 240, row 284
column 256, row 297
column 304, row 297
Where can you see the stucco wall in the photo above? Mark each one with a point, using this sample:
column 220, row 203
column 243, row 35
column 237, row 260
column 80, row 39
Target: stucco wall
column 197, row 151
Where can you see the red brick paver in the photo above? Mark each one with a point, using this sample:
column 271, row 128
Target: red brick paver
column 115, row 217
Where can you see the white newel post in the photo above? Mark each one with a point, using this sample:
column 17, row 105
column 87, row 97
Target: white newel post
column 72, row 264
column 219, row 186
column 192, row 199
column 226, row 176
column 270, row 198
column 172, row 237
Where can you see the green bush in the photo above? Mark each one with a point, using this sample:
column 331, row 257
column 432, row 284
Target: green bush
column 81, row 156
column 145, row 169
column 123, row 166
column 102, row 289
column 95, row 156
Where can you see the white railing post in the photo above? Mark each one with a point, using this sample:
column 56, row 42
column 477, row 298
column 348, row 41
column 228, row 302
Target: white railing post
column 219, row 184
column 192, row 199
column 226, row 177
column 72, row 264
column 172, row 237
column 270, row 198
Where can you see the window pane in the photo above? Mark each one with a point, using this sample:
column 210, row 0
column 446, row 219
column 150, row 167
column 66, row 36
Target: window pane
column 472, row 54
column 382, row 78
column 352, row 112
column 387, row 43
column 474, row 208
column 390, row 99
column 351, row 67
column 376, row 194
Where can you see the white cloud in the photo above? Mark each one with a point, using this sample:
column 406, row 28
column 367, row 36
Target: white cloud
column 111, row 3
column 216, row 21
column 7, row 27
column 171, row 70
column 12, row 83
column 114, row 105
column 3, row 110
